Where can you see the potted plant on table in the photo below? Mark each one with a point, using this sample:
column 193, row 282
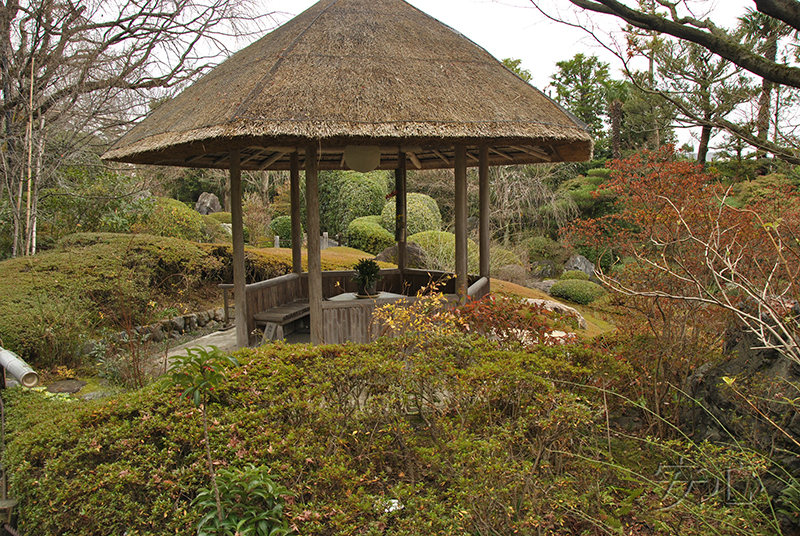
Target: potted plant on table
column 366, row 277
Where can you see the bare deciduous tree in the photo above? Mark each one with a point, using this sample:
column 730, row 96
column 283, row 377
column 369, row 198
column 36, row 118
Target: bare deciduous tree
column 73, row 73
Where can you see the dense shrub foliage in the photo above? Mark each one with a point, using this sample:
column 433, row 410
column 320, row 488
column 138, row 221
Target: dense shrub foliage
column 422, row 214
column 89, row 199
column 444, row 434
column 347, row 195
column 367, row 234
column 576, row 290
column 282, row 227
column 545, row 248
column 174, row 219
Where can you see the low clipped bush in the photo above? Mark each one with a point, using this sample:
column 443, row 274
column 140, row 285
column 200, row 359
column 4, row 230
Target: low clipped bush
column 367, row 234
column 574, row 274
column 577, row 291
column 174, row 219
column 282, row 227
column 440, row 251
column 222, row 217
column 422, row 214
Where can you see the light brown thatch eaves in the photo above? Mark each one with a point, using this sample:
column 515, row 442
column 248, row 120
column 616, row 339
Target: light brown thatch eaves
column 357, row 72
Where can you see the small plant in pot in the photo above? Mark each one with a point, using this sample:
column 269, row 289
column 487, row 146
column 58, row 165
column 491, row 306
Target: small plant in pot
column 366, row 277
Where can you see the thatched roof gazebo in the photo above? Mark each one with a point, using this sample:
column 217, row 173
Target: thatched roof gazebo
column 356, row 84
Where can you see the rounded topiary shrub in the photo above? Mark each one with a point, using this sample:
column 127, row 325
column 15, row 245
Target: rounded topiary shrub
column 282, row 227
column 222, row 217
column 367, row 235
column 174, row 219
column 422, row 214
column 575, row 290
column 574, row 274
column 440, row 251
column 361, row 194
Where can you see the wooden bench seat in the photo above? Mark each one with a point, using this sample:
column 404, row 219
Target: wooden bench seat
column 280, row 321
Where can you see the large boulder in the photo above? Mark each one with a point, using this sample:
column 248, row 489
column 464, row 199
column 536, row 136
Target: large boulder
column 208, row 204
column 721, row 402
column 544, row 269
column 579, row 262
column 415, row 255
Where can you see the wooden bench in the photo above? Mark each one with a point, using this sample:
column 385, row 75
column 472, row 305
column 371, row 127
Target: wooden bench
column 282, row 320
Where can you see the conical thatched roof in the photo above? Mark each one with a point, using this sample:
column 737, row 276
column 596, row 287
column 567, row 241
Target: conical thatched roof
column 357, row 72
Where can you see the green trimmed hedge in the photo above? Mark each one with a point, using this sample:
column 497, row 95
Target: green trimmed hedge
column 174, row 219
column 282, row 226
column 422, row 214
column 574, row 274
column 366, row 234
column 577, row 291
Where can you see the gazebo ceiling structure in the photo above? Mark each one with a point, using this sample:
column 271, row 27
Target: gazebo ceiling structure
column 375, row 77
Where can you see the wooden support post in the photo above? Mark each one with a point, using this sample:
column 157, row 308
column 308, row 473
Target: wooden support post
column 461, row 220
column 314, row 261
column 297, row 227
column 239, row 298
column 402, row 212
column 483, row 195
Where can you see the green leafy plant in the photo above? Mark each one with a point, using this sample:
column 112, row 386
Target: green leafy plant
column 200, row 372
column 575, row 290
column 366, row 275
column 252, row 501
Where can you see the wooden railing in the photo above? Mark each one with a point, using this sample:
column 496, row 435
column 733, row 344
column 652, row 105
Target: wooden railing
column 346, row 321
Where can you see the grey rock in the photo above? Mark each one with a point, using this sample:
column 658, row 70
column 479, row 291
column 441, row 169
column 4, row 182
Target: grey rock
column 157, row 334
column 219, row 314
column 544, row 286
column 208, row 204
column 70, row 385
column 415, row 255
column 543, row 269
column 202, row 318
column 96, row 395
column 178, row 324
column 190, row 322
column 579, row 262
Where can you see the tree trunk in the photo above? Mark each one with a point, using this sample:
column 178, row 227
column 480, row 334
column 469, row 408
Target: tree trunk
column 702, row 149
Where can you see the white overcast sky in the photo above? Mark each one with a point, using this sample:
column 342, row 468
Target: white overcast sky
column 515, row 29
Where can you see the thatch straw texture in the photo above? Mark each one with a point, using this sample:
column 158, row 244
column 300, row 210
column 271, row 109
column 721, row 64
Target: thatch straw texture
column 364, row 72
